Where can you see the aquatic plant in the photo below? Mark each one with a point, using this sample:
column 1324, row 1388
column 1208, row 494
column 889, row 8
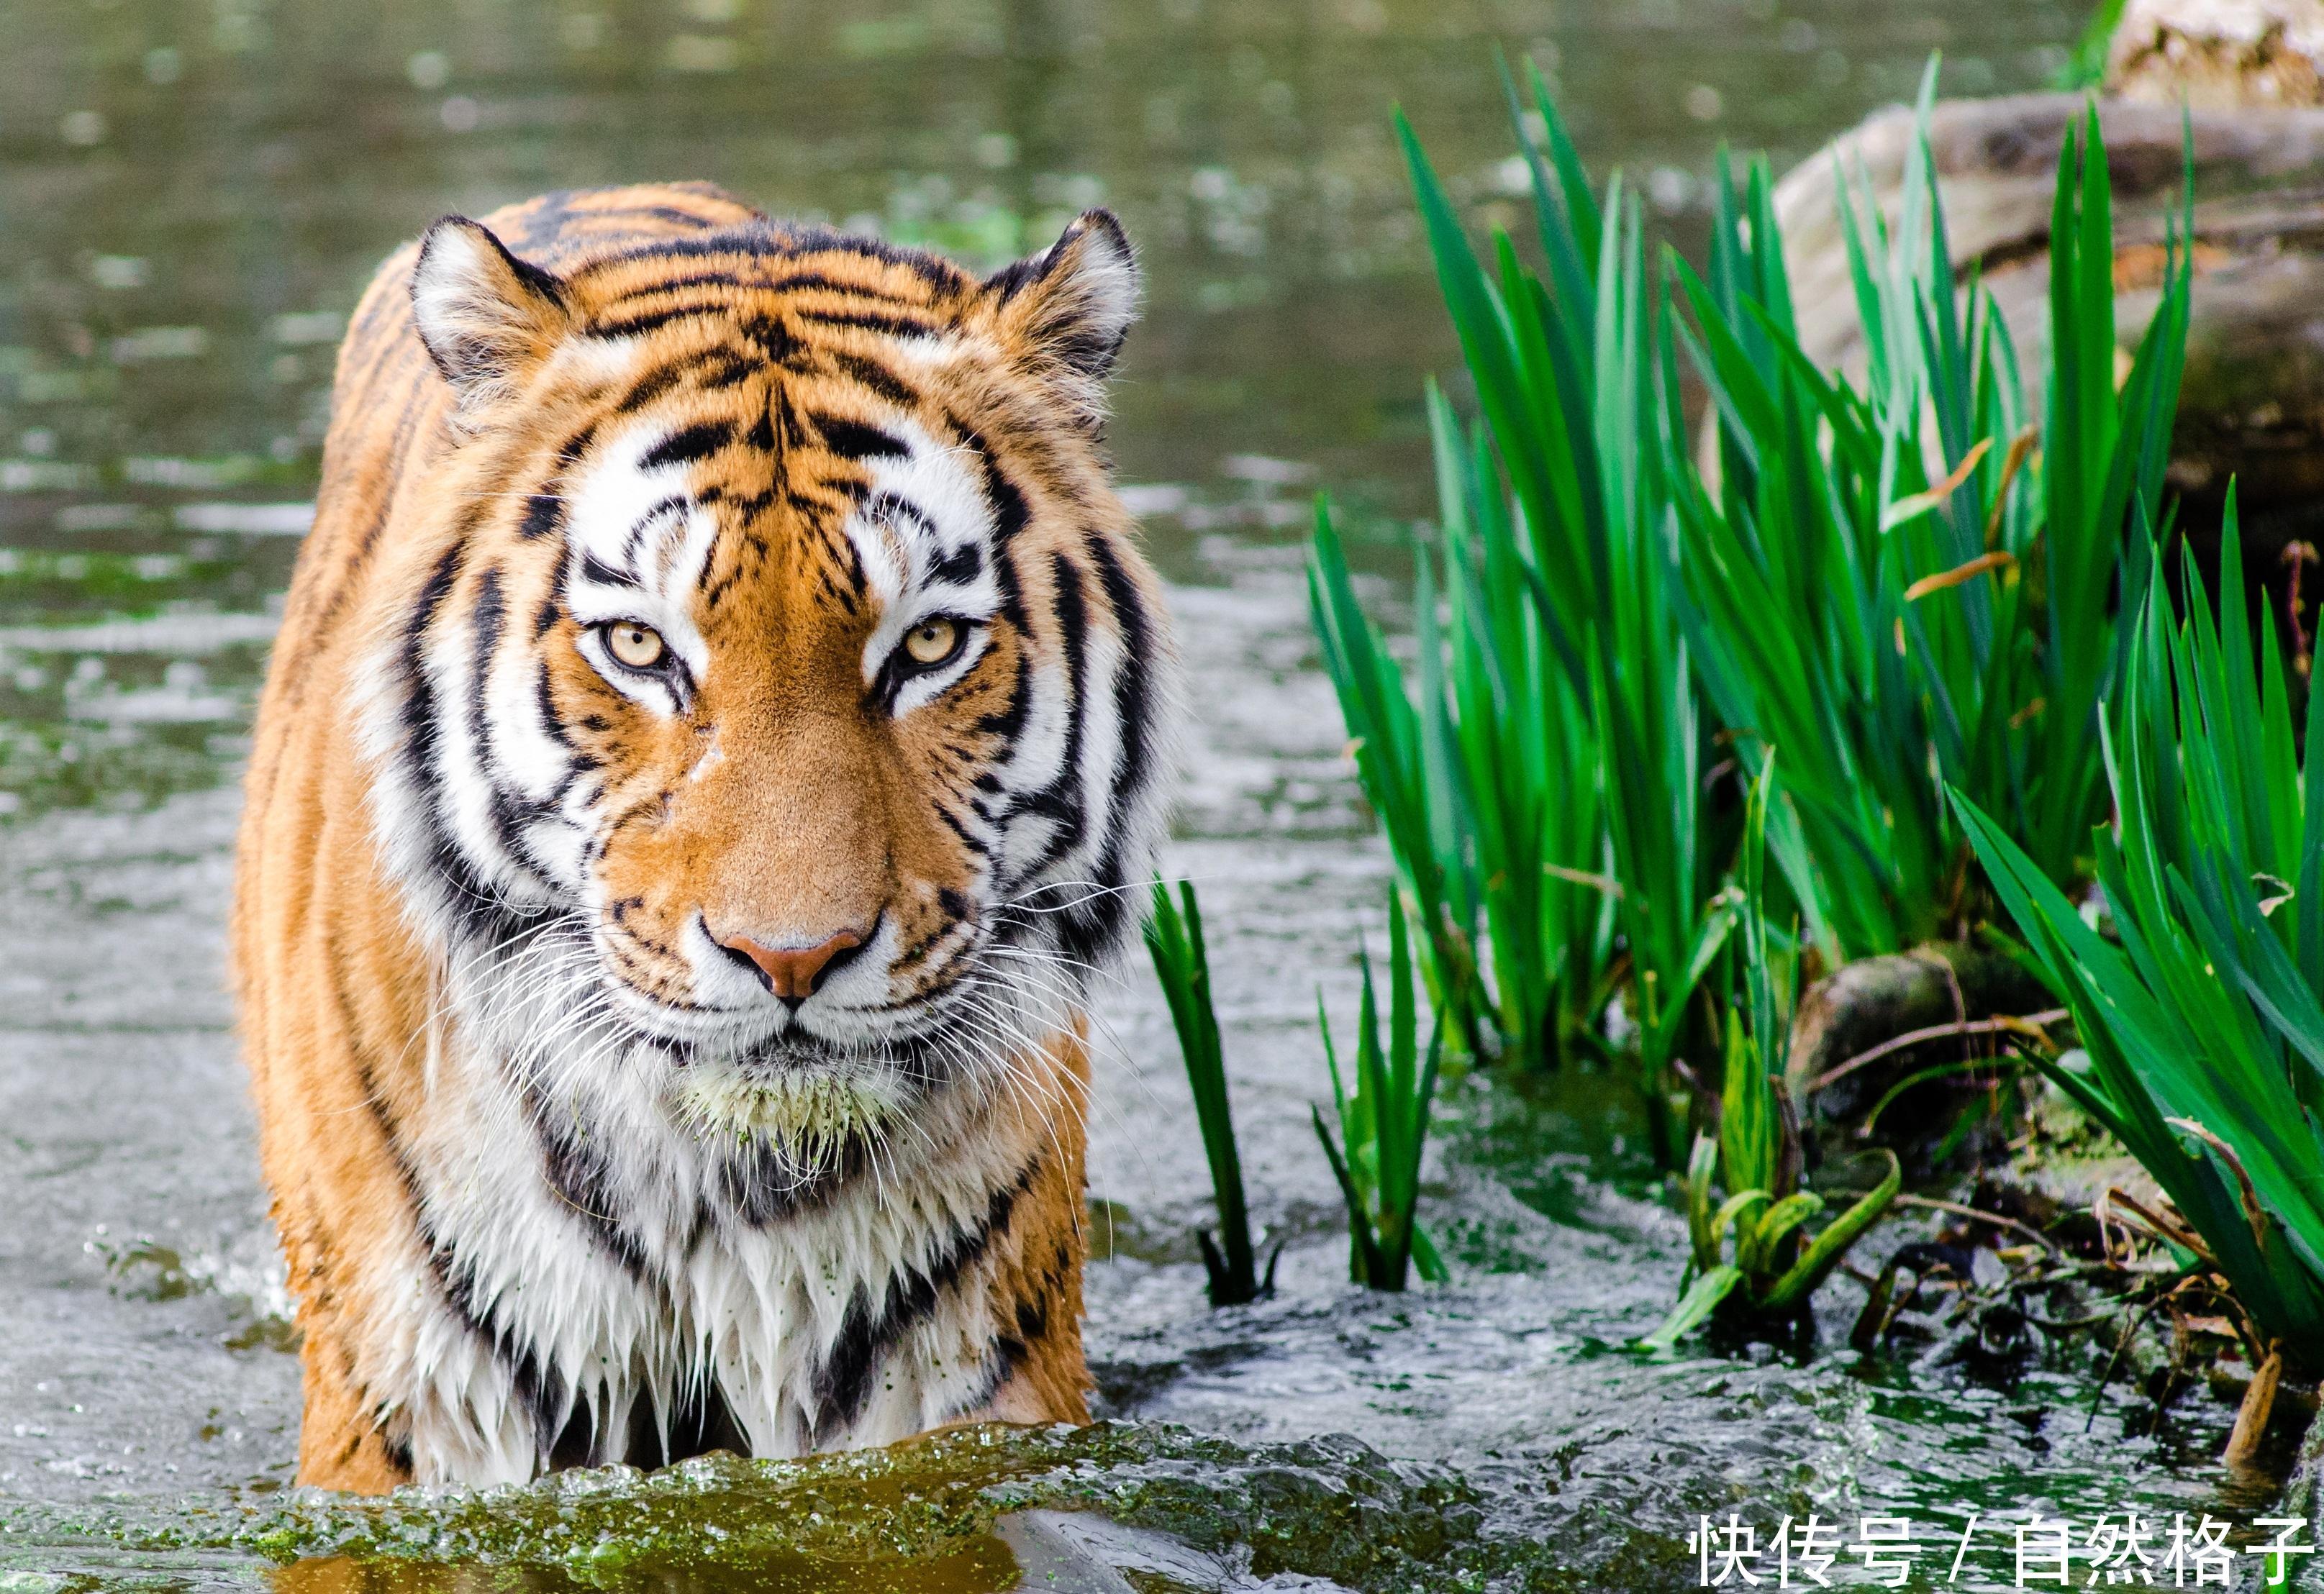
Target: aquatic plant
column 1174, row 936
column 1384, row 1125
column 1754, row 1159
column 2202, row 1025
column 1908, row 578
column 1555, row 747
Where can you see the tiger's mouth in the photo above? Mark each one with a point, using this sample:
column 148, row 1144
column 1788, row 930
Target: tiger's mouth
column 816, row 1098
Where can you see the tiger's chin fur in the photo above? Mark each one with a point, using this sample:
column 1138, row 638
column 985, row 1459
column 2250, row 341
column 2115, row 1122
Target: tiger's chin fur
column 719, row 723
column 809, row 1112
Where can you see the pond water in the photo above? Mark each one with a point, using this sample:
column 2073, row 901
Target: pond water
column 191, row 198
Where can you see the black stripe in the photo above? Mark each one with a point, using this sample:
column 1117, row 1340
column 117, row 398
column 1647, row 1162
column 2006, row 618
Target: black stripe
column 544, row 516
column 509, row 811
column 646, row 321
column 699, row 441
column 1009, row 722
column 634, row 545
column 649, row 387
column 960, row 566
column 759, row 1183
column 1010, row 514
column 876, row 377
column 789, row 427
column 544, row 697
column 1129, row 686
column 857, row 581
column 477, row 912
column 932, row 269
column 455, row 1281
column 771, row 335
column 1096, row 922
column 1013, row 592
column 578, row 1170
column 745, row 238
column 544, row 511
column 575, row 447
column 798, row 280
column 867, row 320
column 953, row 824
column 888, row 507
column 538, row 1389
column 851, row 439
column 594, row 568
column 693, row 280
column 721, row 370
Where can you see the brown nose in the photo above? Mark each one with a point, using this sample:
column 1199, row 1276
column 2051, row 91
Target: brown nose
column 790, row 973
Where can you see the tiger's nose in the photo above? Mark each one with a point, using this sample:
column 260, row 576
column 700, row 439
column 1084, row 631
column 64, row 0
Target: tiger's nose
column 791, row 972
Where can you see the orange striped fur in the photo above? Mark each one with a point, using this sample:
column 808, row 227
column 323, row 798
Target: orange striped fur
column 719, row 717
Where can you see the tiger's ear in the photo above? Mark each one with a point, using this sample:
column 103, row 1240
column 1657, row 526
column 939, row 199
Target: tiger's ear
column 486, row 317
column 1067, row 309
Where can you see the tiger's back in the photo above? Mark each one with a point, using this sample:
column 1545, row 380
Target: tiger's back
column 718, row 715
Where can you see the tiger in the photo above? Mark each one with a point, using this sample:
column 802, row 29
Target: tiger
column 721, row 717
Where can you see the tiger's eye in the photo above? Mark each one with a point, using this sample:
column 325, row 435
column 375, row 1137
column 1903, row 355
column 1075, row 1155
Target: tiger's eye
column 932, row 641
column 638, row 646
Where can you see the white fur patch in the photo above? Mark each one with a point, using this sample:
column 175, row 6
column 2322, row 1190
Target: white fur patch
column 921, row 511
column 642, row 529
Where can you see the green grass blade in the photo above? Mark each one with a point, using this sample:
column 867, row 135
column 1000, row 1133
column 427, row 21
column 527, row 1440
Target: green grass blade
column 1695, row 1307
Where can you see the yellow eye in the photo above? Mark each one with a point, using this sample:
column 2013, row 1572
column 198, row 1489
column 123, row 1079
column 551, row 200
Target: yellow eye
column 934, row 640
column 635, row 646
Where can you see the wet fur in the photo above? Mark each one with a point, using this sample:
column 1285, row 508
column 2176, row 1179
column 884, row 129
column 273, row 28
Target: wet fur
column 540, row 1201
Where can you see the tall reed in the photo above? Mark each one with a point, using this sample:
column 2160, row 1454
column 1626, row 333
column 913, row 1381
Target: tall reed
column 1382, row 1112
column 1174, row 936
column 1906, row 587
column 1542, row 794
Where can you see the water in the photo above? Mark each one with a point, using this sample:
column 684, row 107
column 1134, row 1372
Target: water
column 191, row 198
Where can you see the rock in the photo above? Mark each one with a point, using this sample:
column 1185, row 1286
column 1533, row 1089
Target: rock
column 2252, row 403
column 1876, row 999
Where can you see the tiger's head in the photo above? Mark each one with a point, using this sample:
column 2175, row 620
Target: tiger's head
column 783, row 706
